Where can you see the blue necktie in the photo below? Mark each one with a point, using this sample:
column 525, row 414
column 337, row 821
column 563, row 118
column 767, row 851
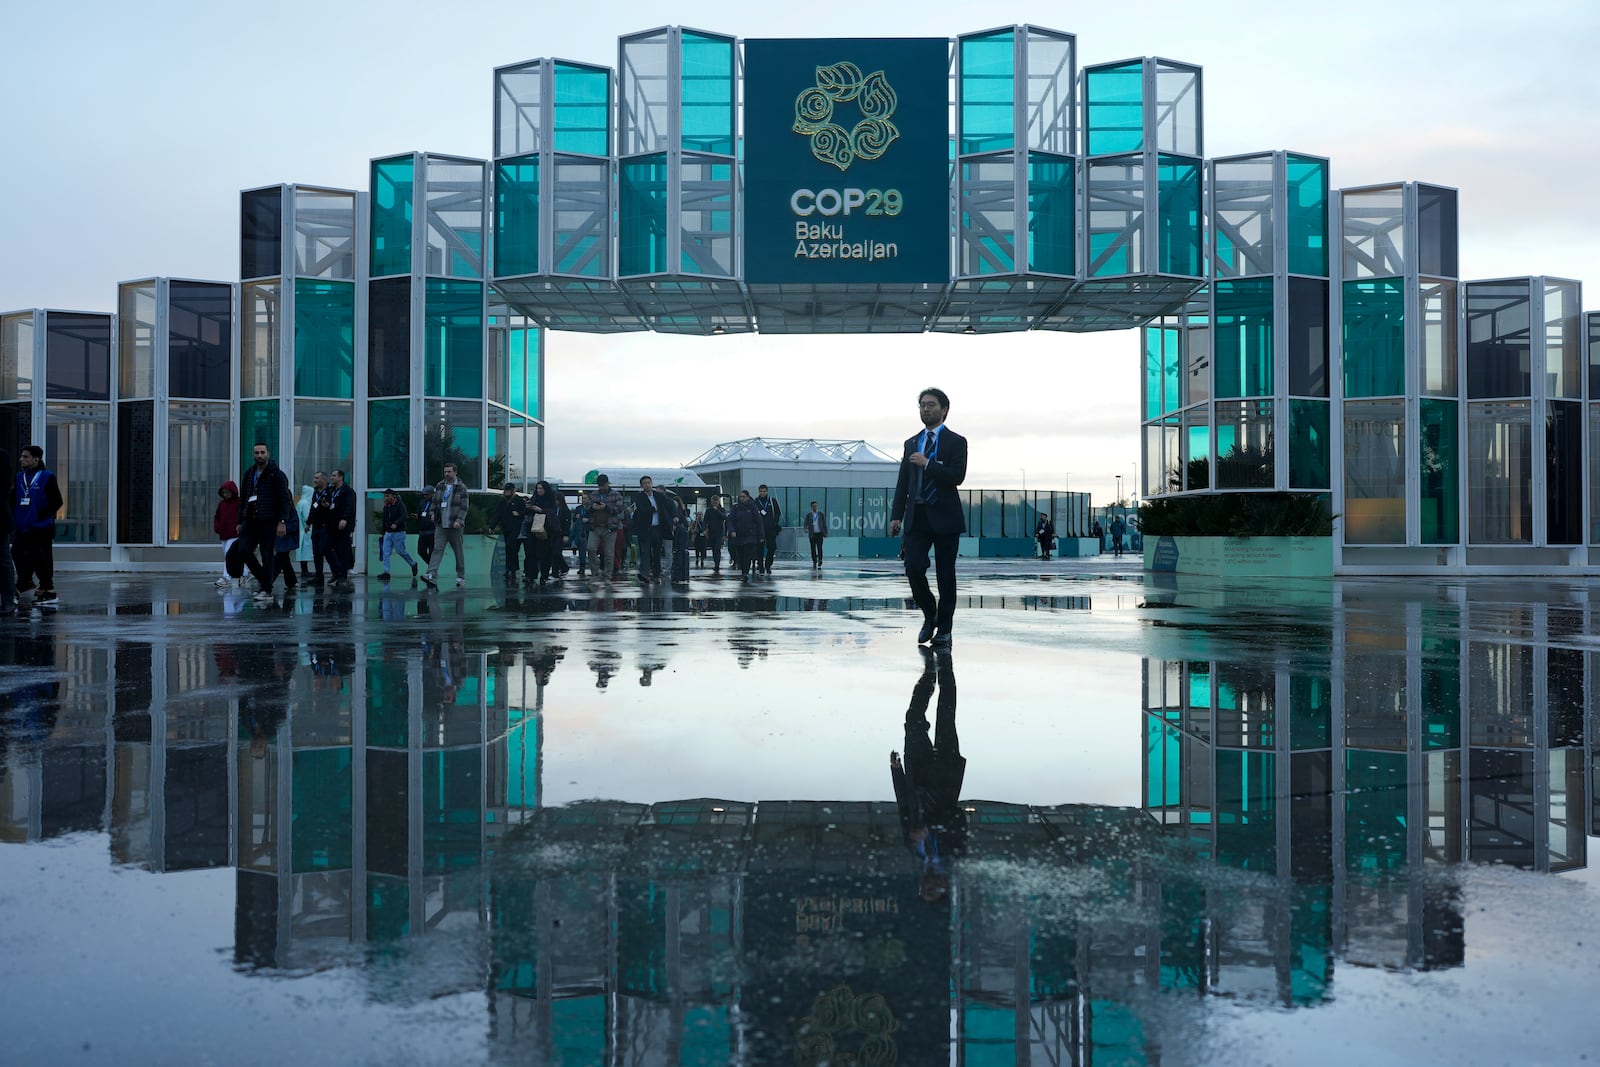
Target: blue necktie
column 926, row 489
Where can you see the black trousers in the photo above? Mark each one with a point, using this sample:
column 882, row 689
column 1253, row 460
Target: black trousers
column 34, row 556
column 341, row 553
column 425, row 545
column 918, row 539
column 257, row 547
column 650, row 551
column 319, row 550
column 816, row 548
column 770, row 549
column 512, row 547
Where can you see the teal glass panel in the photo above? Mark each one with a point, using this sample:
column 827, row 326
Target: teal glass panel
column 451, row 809
column 324, row 338
column 1052, row 214
column 1114, row 98
column 453, row 338
column 1162, row 364
column 1246, row 792
column 988, row 93
column 1307, row 215
column 389, row 442
column 388, row 697
column 322, row 832
column 258, row 421
column 1375, row 811
column 1441, row 692
column 1163, row 752
column 642, row 222
column 582, row 110
column 452, row 432
column 582, row 212
column 1178, row 215
column 393, row 188
column 1116, row 218
column 388, row 908
column 1440, row 503
column 1310, row 944
column 1310, row 712
column 526, row 349
column 1374, row 338
column 707, row 94
column 1308, row 445
column 1242, row 338
column 1197, row 459
column 516, row 216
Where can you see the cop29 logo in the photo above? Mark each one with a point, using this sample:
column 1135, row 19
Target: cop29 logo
column 872, row 134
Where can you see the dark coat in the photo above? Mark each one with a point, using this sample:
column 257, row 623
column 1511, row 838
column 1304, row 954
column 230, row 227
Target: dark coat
column 716, row 519
column 394, row 517
column 946, row 469
column 513, row 510
column 771, row 514
column 744, row 524
column 667, row 503
column 271, row 490
column 344, row 509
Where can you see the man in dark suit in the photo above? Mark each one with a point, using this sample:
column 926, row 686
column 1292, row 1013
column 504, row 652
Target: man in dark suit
column 927, row 786
column 655, row 518
column 926, row 503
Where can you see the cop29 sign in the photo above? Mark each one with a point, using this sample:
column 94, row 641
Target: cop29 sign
column 846, row 161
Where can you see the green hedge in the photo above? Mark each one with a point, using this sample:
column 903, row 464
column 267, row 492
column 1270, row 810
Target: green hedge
column 1238, row 515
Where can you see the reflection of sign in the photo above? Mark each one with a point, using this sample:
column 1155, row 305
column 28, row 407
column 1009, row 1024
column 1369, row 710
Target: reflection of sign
column 1164, row 557
column 818, row 110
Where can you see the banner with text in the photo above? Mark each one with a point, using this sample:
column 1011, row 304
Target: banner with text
column 847, row 161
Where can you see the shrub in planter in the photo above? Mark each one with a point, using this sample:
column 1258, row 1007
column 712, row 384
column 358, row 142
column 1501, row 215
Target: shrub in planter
column 1238, row 515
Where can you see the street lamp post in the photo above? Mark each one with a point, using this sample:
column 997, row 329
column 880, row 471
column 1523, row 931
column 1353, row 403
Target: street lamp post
column 1024, row 471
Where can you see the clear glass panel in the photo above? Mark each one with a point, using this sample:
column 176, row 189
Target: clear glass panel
column 526, row 354
column 988, row 93
column 1307, row 211
column 1440, row 358
column 517, row 92
column 1374, row 472
column 582, row 110
column 323, row 437
column 77, row 443
column 1178, row 221
column 1052, row 215
column 1245, row 458
column 454, row 224
column 1563, row 341
column 582, row 218
column 393, row 182
column 706, row 221
column 1177, row 109
column 1114, row 105
column 16, row 358
column 1594, row 477
column 197, row 464
column 1197, row 356
column 1242, row 342
column 1440, row 490
column 707, row 94
column 1499, row 338
column 199, row 340
column 1308, row 337
column 258, row 424
column 642, row 84
column 389, row 338
column 1500, row 473
column 498, row 463
column 495, row 385
column 1374, row 338
column 1116, row 218
column 1436, row 232
column 1374, row 233
column 1308, row 445
column 259, row 310
column 988, row 216
column 1564, row 473
column 389, row 443
column 324, row 338
column 642, row 215
column 261, row 233
column 136, row 340
column 1241, row 216
column 452, row 431
column 136, row 433
column 77, row 356
column 1196, row 452
column 1052, row 88
column 453, row 332
column 324, row 234
column 516, row 216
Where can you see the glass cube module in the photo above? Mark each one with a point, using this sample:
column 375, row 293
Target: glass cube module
column 518, row 91
column 1114, row 104
column 988, row 92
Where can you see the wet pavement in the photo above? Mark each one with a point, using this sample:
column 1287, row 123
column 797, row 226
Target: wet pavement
column 1140, row 822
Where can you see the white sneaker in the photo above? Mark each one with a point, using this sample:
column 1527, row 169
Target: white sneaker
column 460, row 582
column 224, row 582
column 263, row 597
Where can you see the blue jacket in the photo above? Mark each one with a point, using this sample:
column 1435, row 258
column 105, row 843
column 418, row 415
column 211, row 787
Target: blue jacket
column 39, row 488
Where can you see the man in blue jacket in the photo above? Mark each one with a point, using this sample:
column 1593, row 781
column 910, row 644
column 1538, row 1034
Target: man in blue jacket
column 35, row 501
column 926, row 503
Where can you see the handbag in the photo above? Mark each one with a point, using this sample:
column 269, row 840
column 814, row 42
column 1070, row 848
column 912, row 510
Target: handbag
column 537, row 524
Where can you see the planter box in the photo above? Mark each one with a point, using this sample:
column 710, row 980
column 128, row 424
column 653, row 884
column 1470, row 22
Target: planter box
column 1241, row 557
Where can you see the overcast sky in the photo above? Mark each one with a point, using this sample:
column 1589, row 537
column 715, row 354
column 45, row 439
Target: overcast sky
column 129, row 130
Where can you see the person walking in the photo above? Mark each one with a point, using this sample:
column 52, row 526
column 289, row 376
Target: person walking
column 655, row 518
column 394, row 533
column 452, row 523
column 771, row 523
column 817, row 532
column 509, row 518
column 542, row 534
column 602, row 507
column 8, row 570
column 320, row 521
column 746, row 534
column 225, row 524
column 927, row 784
column 1119, row 530
column 697, row 533
column 578, row 534
column 304, row 551
column 342, row 531
column 284, row 548
column 926, row 504
column 716, row 523
column 267, row 504
column 1045, row 534
column 427, row 520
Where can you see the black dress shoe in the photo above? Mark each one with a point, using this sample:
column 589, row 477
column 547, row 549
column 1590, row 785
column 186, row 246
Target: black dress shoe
column 925, row 634
column 941, row 642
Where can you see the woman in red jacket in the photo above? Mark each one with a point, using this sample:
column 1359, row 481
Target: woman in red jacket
column 226, row 525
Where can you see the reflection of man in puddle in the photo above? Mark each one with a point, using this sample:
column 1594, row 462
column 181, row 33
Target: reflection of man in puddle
column 927, row 786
